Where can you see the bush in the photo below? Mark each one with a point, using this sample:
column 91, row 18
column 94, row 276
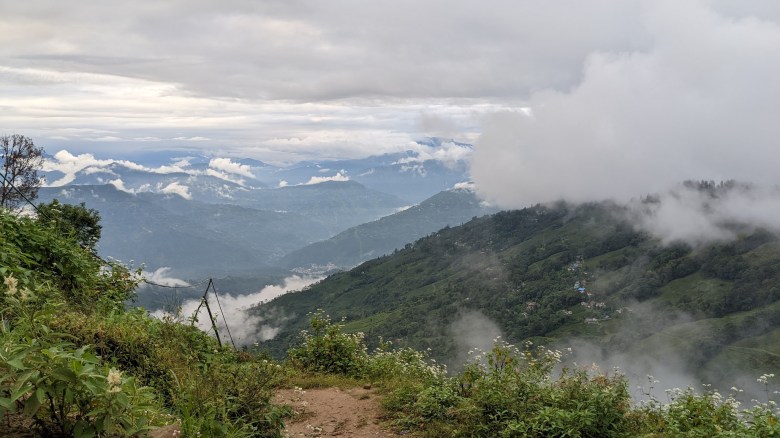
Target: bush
column 68, row 391
column 66, row 336
column 327, row 349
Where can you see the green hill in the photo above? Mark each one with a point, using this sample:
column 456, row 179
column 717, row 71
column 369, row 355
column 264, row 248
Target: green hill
column 701, row 308
column 382, row 236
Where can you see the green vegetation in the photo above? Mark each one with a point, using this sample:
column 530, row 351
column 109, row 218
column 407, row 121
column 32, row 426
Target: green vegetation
column 513, row 392
column 75, row 220
column 74, row 362
column 520, row 270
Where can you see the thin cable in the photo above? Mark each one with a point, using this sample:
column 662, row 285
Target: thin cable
column 144, row 280
column 223, row 315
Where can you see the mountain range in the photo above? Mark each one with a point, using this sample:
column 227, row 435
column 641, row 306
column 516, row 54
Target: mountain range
column 208, row 216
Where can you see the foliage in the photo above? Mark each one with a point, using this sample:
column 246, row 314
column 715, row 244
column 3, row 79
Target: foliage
column 77, row 363
column 72, row 220
column 20, row 162
column 68, row 391
column 326, row 348
column 519, row 269
column 38, row 257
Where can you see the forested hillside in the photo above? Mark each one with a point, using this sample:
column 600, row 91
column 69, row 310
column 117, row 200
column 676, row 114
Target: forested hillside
column 382, row 236
column 565, row 275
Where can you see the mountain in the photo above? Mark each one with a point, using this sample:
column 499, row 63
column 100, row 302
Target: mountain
column 414, row 175
column 383, row 236
column 337, row 205
column 195, row 239
column 432, row 165
column 565, row 276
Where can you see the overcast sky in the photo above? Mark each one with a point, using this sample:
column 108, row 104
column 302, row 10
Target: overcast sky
column 287, row 79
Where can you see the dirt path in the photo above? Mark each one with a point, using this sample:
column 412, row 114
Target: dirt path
column 333, row 412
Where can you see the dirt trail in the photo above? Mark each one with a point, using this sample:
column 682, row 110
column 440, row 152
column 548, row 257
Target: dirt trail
column 333, row 412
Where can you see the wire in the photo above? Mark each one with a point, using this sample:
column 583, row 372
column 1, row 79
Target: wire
column 144, row 280
column 24, row 197
column 223, row 315
column 107, row 263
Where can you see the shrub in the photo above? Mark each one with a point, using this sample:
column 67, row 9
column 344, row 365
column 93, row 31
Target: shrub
column 327, row 349
column 68, row 391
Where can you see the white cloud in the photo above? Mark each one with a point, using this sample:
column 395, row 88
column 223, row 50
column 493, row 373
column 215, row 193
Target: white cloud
column 71, row 165
column 695, row 217
column 120, row 185
column 339, row 176
column 226, row 165
column 225, row 176
column 284, row 80
column 177, row 188
column 449, row 153
column 465, row 185
column 162, row 276
column 700, row 102
column 244, row 327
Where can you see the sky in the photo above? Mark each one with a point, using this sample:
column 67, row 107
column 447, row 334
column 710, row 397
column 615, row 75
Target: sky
column 581, row 87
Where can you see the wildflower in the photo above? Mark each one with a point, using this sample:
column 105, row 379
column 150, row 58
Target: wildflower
column 11, row 283
column 114, row 380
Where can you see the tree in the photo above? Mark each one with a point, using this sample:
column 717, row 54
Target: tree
column 21, row 160
column 73, row 220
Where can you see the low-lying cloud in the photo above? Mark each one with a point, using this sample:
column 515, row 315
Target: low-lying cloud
column 244, row 327
column 228, row 166
column 339, row 176
column 162, row 276
column 699, row 103
column 175, row 188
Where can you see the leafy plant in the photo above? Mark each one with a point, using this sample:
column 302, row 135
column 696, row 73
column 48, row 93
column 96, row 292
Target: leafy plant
column 326, row 348
column 68, row 391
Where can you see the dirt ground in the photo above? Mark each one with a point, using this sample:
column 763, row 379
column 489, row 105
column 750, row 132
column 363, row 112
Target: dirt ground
column 333, row 412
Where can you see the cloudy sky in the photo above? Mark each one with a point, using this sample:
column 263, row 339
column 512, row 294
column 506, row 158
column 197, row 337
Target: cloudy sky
column 579, row 86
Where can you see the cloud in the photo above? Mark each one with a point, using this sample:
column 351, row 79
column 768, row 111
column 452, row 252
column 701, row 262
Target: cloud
column 697, row 216
column 448, row 152
column 177, row 189
column 697, row 102
column 465, row 185
column 244, row 327
column 286, row 80
column 339, row 176
column 226, row 165
column 472, row 330
column 225, row 176
column 120, row 185
column 162, row 276
column 69, row 164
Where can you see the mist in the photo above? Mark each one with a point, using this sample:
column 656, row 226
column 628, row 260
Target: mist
column 472, row 331
column 244, row 328
column 698, row 103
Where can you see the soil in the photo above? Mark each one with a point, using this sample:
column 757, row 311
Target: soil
column 328, row 412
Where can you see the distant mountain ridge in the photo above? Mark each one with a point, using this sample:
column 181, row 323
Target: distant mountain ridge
column 382, row 236
column 413, row 176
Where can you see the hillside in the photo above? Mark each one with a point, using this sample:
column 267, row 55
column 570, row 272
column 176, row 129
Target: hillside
column 373, row 239
column 517, row 273
column 192, row 237
column 75, row 362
